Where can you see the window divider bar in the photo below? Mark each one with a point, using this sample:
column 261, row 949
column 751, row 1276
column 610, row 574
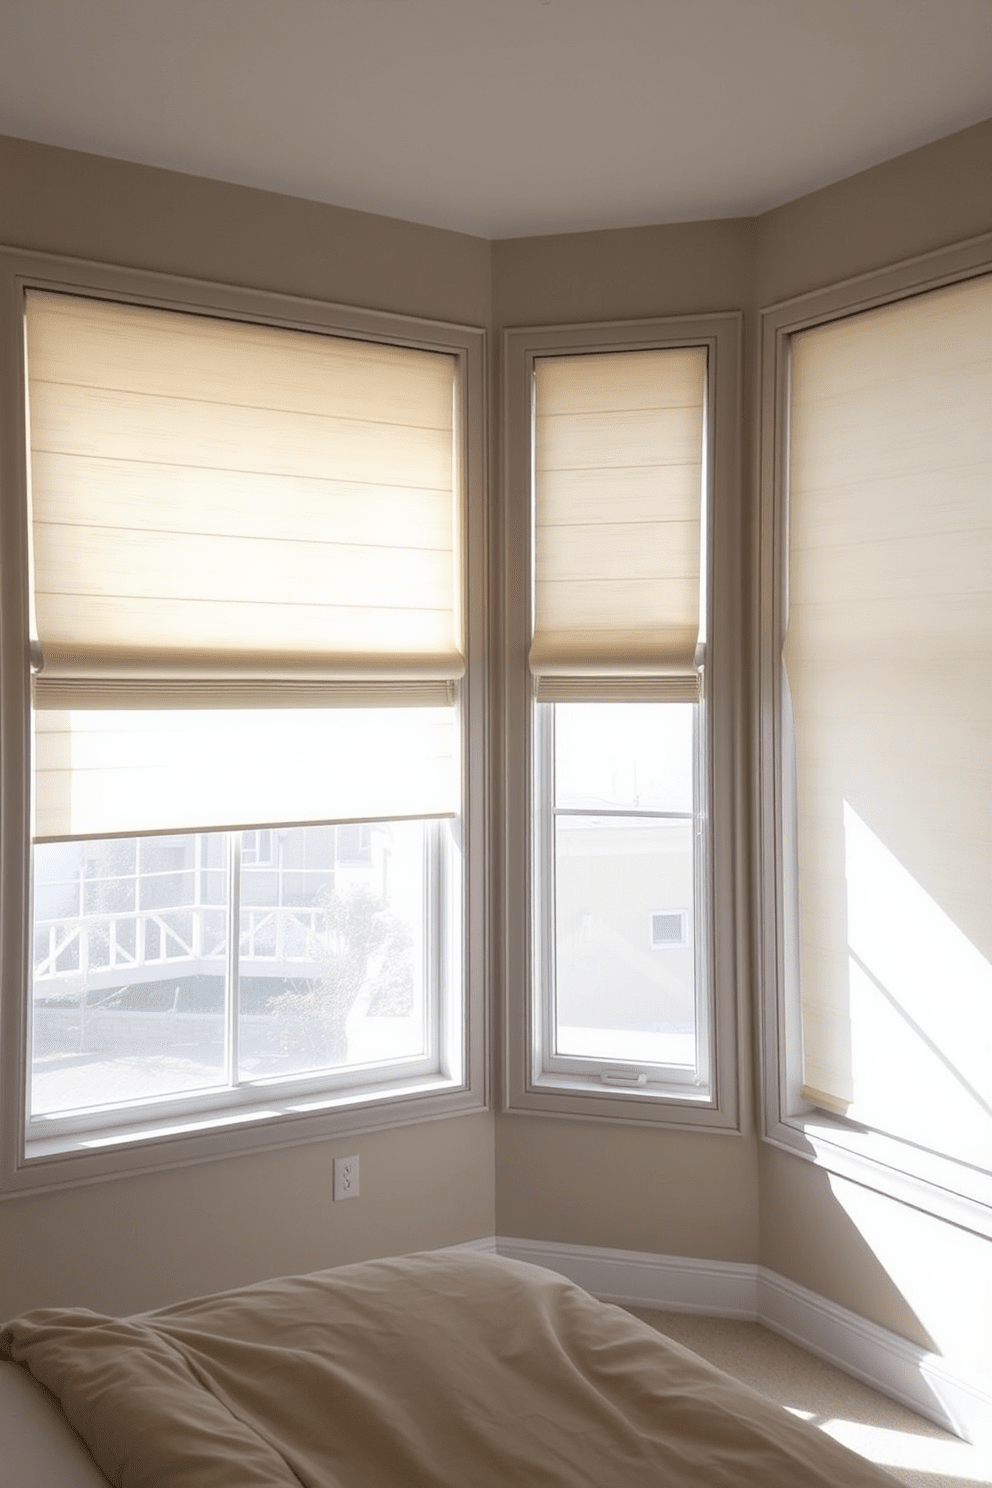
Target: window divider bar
column 232, row 992
column 632, row 811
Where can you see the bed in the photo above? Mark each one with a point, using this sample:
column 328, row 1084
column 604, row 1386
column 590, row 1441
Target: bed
column 439, row 1370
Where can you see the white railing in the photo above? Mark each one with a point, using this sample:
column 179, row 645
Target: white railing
column 104, row 949
column 285, row 929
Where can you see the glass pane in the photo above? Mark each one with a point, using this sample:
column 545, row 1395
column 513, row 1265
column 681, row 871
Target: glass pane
column 624, row 755
column 129, row 966
column 625, row 963
column 332, row 949
column 625, row 982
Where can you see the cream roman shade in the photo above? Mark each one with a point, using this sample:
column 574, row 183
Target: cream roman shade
column 231, row 506
column 103, row 774
column 618, row 505
column 888, row 656
column 226, row 517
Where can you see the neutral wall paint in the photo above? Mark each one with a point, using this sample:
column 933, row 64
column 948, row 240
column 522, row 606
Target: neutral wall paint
column 928, row 199
column 64, row 201
column 138, row 1242
column 682, row 269
column 701, row 1195
column 150, row 1240
column 926, row 1280
column 593, row 1183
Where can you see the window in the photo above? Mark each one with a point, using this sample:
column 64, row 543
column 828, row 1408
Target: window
column 878, row 780
column 137, row 996
column 615, row 437
column 621, row 825
column 354, row 842
column 669, row 928
column 257, row 847
column 250, row 716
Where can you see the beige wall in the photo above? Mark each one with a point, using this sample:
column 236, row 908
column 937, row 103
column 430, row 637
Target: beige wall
column 926, row 1280
column 683, row 269
column 149, row 1240
column 62, row 201
column 928, row 199
column 594, row 1183
column 145, row 1240
column 711, row 1195
column 139, row 1242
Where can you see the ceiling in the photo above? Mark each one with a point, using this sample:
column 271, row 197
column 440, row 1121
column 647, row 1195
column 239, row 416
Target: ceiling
column 501, row 117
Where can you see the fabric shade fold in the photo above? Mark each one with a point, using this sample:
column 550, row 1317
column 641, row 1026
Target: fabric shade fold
column 216, row 498
column 121, row 773
column 246, row 545
column 618, row 477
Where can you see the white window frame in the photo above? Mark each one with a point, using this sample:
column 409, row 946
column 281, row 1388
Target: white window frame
column 937, row 1184
column 320, row 1106
column 529, row 1082
column 240, row 1098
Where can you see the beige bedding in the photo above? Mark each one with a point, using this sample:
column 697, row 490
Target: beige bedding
column 420, row 1372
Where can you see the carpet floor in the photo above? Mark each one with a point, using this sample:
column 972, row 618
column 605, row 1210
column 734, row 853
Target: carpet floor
column 912, row 1449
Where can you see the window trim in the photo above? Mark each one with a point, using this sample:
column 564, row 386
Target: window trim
column 203, row 1138
column 721, row 334
column 938, row 1185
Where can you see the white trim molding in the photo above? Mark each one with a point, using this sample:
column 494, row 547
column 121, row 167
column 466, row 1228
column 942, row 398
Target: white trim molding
column 636, row 1278
column 951, row 1396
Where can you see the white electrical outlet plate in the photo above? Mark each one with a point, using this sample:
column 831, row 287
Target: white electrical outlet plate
column 346, row 1177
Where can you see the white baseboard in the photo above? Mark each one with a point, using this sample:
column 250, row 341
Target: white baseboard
column 924, row 1382
column 635, row 1278
column 917, row 1378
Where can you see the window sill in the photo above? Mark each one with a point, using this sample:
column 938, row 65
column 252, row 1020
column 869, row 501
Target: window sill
column 65, row 1159
column 936, row 1185
column 562, row 1095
